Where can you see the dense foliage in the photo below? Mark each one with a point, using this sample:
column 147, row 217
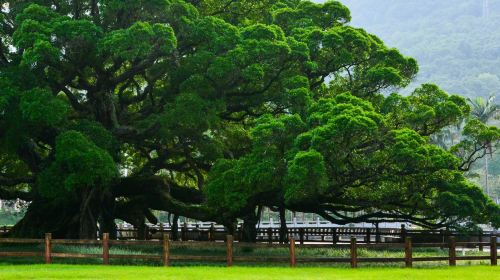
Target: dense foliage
column 214, row 109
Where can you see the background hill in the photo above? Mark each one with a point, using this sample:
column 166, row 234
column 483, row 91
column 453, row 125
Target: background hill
column 456, row 42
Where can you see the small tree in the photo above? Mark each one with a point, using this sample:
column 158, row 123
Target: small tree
column 485, row 111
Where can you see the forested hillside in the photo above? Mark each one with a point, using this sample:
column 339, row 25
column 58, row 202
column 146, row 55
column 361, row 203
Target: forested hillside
column 456, row 42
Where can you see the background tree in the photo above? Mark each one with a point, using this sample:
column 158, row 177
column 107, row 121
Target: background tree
column 485, row 111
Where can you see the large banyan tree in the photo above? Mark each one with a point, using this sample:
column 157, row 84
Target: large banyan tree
column 213, row 109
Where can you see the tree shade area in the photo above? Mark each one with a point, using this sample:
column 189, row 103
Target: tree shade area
column 213, row 110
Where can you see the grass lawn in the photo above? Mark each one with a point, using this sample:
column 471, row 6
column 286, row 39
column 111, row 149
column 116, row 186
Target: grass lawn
column 8, row 272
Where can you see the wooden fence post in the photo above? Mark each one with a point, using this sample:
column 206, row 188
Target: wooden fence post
column 408, row 252
column 452, row 251
column 293, row 258
column 229, row 250
column 368, row 236
column 166, row 249
column 493, row 250
column 48, row 248
column 105, row 248
column 354, row 253
column 334, row 236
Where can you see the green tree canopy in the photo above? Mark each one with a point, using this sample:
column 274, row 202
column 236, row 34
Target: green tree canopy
column 212, row 109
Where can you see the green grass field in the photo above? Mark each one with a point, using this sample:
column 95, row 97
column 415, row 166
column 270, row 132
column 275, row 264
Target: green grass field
column 8, row 272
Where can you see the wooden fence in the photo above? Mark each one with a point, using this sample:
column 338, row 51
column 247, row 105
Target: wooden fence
column 330, row 235
column 327, row 235
column 293, row 259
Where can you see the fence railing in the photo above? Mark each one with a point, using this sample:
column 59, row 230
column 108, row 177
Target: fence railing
column 330, row 235
column 293, row 258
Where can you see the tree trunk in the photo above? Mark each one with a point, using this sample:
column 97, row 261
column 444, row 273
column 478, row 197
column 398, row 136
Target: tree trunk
column 77, row 216
column 107, row 217
column 250, row 227
column 175, row 228
column 104, row 109
column 88, row 214
column 231, row 228
column 88, row 225
column 142, row 231
column 283, row 227
column 59, row 217
column 486, row 172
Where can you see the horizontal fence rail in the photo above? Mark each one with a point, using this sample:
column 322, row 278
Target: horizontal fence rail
column 330, row 235
column 292, row 258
